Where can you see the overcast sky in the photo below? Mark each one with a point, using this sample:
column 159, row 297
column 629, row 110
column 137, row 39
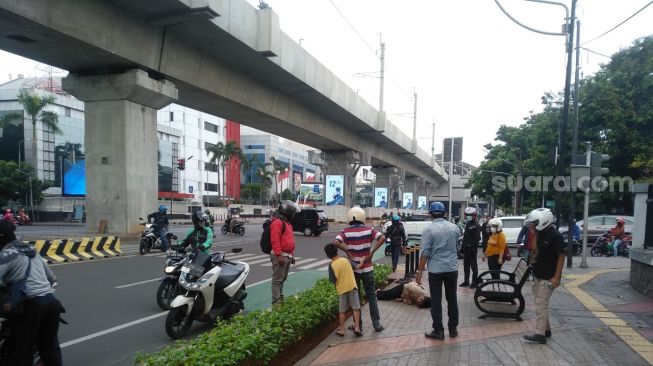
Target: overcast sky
column 472, row 68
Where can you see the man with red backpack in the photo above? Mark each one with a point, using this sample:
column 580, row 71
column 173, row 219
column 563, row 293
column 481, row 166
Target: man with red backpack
column 282, row 241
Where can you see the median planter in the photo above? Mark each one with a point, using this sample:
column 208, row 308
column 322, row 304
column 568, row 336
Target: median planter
column 279, row 336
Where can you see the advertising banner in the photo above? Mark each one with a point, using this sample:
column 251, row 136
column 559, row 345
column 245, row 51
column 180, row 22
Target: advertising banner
column 334, row 190
column 381, row 197
column 297, row 182
column 312, row 192
column 421, row 203
column 407, row 202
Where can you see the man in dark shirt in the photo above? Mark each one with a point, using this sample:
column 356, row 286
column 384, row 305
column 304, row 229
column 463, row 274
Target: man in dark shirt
column 485, row 231
column 160, row 222
column 548, row 259
column 471, row 238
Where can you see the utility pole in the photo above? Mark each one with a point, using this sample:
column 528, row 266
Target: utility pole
column 382, row 74
column 574, row 150
column 562, row 142
column 586, row 208
column 450, row 175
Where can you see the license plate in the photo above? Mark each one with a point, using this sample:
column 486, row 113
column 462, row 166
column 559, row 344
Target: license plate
column 175, row 255
column 193, row 270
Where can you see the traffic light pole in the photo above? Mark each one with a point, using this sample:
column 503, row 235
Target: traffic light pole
column 586, row 208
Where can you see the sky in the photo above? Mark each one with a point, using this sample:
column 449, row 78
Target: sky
column 472, row 68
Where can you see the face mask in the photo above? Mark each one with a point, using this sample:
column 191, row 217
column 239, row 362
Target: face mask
column 468, row 218
column 493, row 229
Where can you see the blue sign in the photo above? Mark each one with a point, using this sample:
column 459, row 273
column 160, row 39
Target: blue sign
column 334, row 190
column 316, row 188
column 381, row 197
column 190, row 189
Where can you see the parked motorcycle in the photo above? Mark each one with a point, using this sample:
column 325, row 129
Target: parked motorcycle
column 577, row 248
column 150, row 238
column 239, row 228
column 169, row 287
column 213, row 288
column 602, row 243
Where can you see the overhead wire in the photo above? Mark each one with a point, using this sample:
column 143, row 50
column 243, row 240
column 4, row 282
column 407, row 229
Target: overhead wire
column 618, row 25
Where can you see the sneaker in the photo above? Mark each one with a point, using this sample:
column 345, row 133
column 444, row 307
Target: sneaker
column 453, row 332
column 547, row 333
column 464, row 284
column 473, row 285
column 380, row 328
column 435, row 334
column 537, row 338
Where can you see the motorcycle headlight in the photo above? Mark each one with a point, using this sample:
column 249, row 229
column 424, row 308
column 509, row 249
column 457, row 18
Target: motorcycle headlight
column 170, row 269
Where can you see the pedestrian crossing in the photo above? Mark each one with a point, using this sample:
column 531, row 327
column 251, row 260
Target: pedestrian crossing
column 264, row 261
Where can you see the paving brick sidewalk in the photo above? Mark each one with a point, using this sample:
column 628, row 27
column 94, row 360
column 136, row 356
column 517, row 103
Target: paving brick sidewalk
column 621, row 322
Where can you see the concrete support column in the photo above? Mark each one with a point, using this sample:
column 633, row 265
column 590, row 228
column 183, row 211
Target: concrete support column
column 390, row 177
column 410, row 186
column 641, row 259
column 121, row 145
column 337, row 164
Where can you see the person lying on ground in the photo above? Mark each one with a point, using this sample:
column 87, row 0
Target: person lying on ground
column 409, row 293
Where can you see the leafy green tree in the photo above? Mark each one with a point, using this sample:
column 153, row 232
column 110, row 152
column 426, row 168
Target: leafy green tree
column 34, row 106
column 217, row 154
column 15, row 183
column 251, row 191
column 287, row 194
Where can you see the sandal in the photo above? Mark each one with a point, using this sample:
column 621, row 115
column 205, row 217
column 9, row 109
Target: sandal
column 358, row 333
column 339, row 334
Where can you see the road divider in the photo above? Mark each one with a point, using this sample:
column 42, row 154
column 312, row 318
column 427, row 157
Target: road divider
column 74, row 250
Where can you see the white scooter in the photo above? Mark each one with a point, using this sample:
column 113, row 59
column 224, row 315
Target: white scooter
column 213, row 288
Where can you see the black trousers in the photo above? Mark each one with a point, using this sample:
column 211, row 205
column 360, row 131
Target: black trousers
column 493, row 265
column 436, row 280
column 391, row 292
column 469, row 262
column 38, row 326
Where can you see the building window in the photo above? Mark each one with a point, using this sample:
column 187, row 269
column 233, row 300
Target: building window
column 211, row 167
column 67, row 111
column 210, row 187
column 208, row 145
column 210, row 127
column 253, row 147
column 172, row 116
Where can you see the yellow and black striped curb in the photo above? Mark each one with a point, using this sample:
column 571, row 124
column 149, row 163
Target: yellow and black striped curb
column 73, row 250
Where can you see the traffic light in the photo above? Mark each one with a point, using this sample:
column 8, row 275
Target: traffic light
column 181, row 164
column 597, row 162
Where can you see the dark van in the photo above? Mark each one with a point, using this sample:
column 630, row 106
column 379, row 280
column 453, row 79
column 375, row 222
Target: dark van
column 310, row 221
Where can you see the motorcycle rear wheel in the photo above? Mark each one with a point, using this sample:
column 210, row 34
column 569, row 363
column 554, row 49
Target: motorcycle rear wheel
column 596, row 252
column 577, row 249
column 241, row 231
column 224, row 230
column 178, row 322
column 167, row 291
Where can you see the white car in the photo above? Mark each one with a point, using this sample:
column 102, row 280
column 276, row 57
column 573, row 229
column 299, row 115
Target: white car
column 512, row 225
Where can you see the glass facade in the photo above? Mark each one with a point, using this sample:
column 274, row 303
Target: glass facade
column 11, row 136
column 63, row 148
column 255, row 161
column 168, row 173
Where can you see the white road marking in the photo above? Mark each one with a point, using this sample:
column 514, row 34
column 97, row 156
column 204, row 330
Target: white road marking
column 325, row 268
column 242, row 256
column 318, row 263
column 111, row 330
column 139, row 283
column 268, row 280
column 297, row 260
column 266, row 259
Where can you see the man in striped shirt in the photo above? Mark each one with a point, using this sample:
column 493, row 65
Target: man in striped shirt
column 356, row 240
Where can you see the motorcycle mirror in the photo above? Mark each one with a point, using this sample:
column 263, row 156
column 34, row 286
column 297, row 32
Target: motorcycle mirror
column 236, row 250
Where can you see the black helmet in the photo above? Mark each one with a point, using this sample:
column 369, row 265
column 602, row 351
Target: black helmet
column 288, row 209
column 6, row 232
column 199, row 218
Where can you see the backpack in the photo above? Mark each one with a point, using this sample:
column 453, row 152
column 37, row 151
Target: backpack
column 266, row 242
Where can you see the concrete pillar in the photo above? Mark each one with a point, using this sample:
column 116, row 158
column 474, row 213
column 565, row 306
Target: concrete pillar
column 337, row 164
column 410, row 186
column 390, row 177
column 121, row 145
column 641, row 259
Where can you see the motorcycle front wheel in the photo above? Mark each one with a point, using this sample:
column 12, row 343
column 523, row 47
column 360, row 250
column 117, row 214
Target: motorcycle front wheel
column 142, row 247
column 241, row 231
column 167, row 291
column 178, row 322
column 577, row 249
column 596, row 252
column 224, row 230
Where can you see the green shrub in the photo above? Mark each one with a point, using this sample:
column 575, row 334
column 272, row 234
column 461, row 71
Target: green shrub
column 258, row 336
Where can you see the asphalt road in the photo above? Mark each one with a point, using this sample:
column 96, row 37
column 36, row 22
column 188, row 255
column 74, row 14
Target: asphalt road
column 111, row 305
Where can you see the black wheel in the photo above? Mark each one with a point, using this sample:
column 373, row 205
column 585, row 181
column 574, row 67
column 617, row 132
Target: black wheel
column 142, row 246
column 596, row 252
column 178, row 322
column 317, row 233
column 577, row 249
column 224, row 230
column 241, row 231
column 308, row 231
column 388, row 251
column 520, row 252
column 167, row 291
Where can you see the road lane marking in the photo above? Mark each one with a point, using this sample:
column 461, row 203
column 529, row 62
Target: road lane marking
column 297, row 260
column 139, row 283
column 318, row 263
column 111, row 330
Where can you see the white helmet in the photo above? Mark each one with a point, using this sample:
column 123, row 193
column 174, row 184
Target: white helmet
column 470, row 211
column 496, row 222
column 542, row 218
column 356, row 214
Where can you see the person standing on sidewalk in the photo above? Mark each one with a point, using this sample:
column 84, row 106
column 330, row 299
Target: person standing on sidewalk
column 341, row 274
column 282, row 240
column 438, row 249
column 356, row 240
column 548, row 259
column 496, row 246
column 471, row 238
column 397, row 236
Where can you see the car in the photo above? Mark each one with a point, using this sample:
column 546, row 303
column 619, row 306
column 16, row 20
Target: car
column 418, row 217
column 511, row 227
column 310, row 221
column 598, row 225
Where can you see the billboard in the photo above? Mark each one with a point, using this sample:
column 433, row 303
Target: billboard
column 334, row 190
column 421, row 203
column 297, row 182
column 407, row 202
column 381, row 197
column 312, row 192
column 74, row 178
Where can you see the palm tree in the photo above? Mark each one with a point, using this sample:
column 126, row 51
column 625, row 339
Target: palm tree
column 217, row 153
column 278, row 166
column 34, row 106
column 266, row 176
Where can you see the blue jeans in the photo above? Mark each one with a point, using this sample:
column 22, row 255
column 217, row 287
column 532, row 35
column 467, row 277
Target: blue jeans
column 615, row 246
column 164, row 240
column 368, row 284
column 396, row 252
column 436, row 280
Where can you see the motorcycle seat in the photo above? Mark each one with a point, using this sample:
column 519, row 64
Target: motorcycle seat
column 229, row 274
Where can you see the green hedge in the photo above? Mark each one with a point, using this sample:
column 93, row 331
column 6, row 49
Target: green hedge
column 258, row 336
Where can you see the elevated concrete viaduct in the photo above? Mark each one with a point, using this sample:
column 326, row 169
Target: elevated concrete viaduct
column 225, row 58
